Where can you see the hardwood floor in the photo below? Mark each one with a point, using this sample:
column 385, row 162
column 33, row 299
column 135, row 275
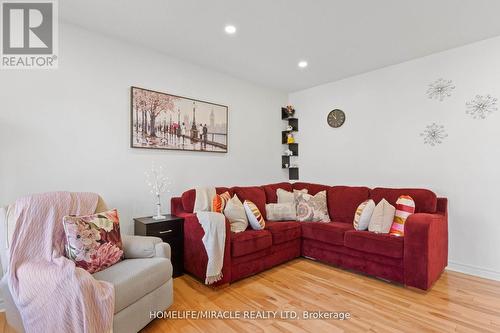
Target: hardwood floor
column 456, row 303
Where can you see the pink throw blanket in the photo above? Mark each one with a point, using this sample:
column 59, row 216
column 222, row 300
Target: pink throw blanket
column 51, row 294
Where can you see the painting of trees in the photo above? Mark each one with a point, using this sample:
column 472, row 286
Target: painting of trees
column 164, row 121
column 148, row 106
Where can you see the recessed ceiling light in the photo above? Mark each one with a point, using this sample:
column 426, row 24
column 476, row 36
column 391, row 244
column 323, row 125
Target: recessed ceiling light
column 230, row 29
column 303, row 64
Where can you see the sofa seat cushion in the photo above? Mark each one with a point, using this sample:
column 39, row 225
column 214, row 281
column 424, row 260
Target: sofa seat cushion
column 250, row 241
column 331, row 232
column 271, row 189
column 284, row 231
column 381, row 244
column 135, row 278
column 425, row 200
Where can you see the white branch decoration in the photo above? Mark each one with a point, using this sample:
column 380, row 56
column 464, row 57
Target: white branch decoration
column 159, row 184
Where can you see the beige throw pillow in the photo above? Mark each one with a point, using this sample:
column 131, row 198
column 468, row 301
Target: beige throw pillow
column 281, row 212
column 382, row 217
column 312, row 208
column 235, row 213
column 287, row 197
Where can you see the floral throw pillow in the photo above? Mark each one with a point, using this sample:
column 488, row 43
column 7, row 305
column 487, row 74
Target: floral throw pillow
column 312, row 208
column 93, row 242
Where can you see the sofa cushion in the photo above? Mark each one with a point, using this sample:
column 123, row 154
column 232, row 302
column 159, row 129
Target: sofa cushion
column 93, row 242
column 331, row 233
column 382, row 244
column 363, row 215
column 235, row 214
column 254, row 216
column 189, row 196
column 382, row 218
column 284, row 231
column 425, row 200
column 219, row 202
column 135, row 278
column 405, row 206
column 312, row 208
column 281, row 212
column 272, row 188
column 343, row 201
column 255, row 194
column 311, row 188
column 250, row 241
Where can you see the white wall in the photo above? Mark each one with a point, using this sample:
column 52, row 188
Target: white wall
column 379, row 145
column 68, row 129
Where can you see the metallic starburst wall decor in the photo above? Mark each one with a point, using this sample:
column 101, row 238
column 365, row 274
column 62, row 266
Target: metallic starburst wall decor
column 440, row 89
column 481, row 106
column 434, row 134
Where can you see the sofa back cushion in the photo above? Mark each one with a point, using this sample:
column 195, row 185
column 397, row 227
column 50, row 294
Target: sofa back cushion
column 425, row 200
column 189, row 196
column 344, row 200
column 255, row 194
column 271, row 189
column 312, row 189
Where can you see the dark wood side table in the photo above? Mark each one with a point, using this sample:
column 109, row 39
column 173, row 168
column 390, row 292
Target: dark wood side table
column 171, row 231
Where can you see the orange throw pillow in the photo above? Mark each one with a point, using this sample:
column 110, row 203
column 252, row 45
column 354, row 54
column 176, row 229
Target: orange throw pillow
column 219, row 202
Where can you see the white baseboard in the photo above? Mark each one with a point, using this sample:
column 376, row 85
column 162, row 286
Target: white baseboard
column 474, row 270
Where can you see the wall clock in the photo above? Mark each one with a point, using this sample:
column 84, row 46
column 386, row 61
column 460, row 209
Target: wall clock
column 336, row 118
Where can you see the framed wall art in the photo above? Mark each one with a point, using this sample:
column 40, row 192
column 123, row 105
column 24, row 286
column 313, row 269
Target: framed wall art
column 164, row 121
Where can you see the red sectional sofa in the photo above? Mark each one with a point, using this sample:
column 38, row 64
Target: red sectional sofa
column 415, row 260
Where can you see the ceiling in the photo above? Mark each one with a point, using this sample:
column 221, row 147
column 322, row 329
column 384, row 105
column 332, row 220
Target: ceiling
column 338, row 38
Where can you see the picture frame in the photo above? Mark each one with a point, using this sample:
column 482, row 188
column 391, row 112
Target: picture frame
column 164, row 121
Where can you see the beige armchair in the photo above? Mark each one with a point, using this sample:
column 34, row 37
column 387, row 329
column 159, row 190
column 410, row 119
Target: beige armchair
column 143, row 281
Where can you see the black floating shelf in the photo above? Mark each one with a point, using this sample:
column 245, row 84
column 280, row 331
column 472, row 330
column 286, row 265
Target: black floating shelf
column 294, row 122
column 294, row 147
column 284, row 114
column 293, row 172
column 286, row 160
column 284, row 136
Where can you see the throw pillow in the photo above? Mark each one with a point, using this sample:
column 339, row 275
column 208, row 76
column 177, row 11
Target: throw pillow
column 312, row 208
column 93, row 242
column 382, row 217
column 405, row 206
column 235, row 213
column 219, row 202
column 281, row 212
column 363, row 215
column 287, row 197
column 254, row 216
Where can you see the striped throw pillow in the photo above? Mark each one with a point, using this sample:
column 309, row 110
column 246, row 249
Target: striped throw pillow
column 405, row 206
column 363, row 215
column 219, row 202
column 254, row 216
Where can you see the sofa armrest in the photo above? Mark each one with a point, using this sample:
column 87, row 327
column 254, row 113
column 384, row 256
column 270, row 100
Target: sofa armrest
column 136, row 247
column 425, row 249
column 163, row 250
